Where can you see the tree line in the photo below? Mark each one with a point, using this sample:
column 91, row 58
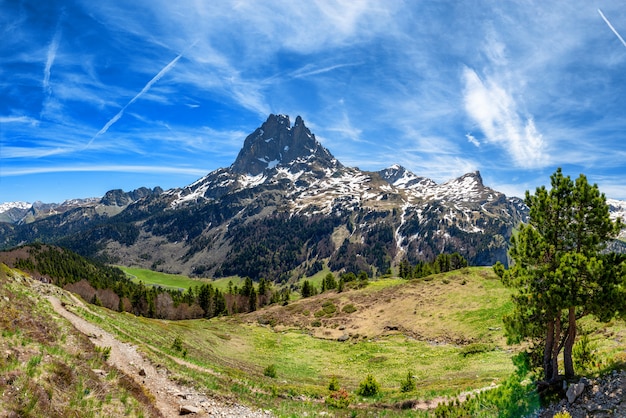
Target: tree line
column 441, row 264
column 109, row 286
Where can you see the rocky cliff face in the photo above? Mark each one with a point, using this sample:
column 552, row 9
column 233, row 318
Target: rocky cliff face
column 277, row 143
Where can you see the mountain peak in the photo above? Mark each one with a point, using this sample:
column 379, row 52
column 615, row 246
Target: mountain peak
column 473, row 176
column 276, row 142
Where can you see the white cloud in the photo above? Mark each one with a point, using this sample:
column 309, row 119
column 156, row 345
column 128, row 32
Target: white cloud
column 51, row 55
column 472, row 140
column 106, row 168
column 496, row 113
column 19, row 119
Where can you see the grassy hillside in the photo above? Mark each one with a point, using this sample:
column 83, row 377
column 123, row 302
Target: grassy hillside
column 445, row 330
column 48, row 369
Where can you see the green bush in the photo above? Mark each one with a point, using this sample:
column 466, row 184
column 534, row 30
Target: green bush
column 583, row 353
column 368, row 387
column 177, row 345
column 105, row 352
column 349, row 308
column 334, row 384
column 338, row 399
column 270, row 371
column 475, row 348
column 329, row 307
column 408, row 384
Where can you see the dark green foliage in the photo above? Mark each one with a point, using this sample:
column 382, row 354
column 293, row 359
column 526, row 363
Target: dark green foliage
column 368, row 387
column 408, row 384
column 333, row 385
column 271, row 247
column 329, row 308
column 341, row 285
column 349, row 308
column 68, row 269
column 560, row 272
column 362, row 279
column 177, row 345
column 442, row 264
column 329, row 282
column 270, row 371
column 307, row 289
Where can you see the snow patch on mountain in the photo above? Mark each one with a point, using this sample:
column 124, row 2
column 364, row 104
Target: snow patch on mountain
column 7, row 206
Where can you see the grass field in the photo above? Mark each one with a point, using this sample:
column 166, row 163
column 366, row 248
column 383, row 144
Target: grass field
column 175, row 281
column 238, row 349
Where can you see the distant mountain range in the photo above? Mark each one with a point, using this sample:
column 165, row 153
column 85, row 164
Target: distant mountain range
column 286, row 207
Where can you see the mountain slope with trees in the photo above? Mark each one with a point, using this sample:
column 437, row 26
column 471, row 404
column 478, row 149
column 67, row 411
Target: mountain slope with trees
column 284, row 208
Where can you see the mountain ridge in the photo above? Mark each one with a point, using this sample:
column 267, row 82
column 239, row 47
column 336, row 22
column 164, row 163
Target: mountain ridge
column 286, row 207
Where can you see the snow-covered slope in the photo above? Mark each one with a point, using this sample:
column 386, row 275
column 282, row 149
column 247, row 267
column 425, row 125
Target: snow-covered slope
column 12, row 212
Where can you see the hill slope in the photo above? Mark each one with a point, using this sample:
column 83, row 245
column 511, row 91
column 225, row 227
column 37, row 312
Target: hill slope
column 48, row 369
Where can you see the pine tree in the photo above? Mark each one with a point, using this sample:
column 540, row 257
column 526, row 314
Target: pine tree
column 559, row 270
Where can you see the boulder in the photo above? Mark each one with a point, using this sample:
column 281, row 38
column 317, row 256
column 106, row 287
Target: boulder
column 189, row 409
column 574, row 391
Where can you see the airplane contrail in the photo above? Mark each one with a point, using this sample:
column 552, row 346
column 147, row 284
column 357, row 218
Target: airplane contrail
column 612, row 28
column 147, row 87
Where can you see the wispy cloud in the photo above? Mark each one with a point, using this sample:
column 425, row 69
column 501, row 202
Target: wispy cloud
column 51, row 55
column 147, row 87
column 612, row 28
column 310, row 70
column 496, row 113
column 105, row 168
column 472, row 140
column 18, row 119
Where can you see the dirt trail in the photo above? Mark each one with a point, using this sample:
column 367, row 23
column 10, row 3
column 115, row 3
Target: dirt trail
column 126, row 358
column 169, row 395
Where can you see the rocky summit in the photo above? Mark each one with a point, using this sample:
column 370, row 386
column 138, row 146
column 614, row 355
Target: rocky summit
column 284, row 208
column 277, row 143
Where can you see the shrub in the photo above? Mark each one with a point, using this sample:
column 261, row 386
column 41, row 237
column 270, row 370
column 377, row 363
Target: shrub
column 177, row 344
column 329, row 307
column 334, row 384
column 563, row 414
column 368, row 387
column 317, row 323
column 475, row 348
column 270, row 371
column 104, row 352
column 583, row 353
column 408, row 384
column 339, row 399
column 349, row 308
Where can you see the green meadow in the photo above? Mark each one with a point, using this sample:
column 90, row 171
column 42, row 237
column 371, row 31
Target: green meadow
column 175, row 281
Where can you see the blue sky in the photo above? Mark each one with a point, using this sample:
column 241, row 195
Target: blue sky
column 97, row 95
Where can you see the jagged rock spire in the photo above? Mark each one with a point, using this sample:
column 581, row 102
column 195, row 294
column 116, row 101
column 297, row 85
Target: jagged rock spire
column 276, row 142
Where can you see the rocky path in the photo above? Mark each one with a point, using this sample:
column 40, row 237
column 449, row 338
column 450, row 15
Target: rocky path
column 172, row 399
